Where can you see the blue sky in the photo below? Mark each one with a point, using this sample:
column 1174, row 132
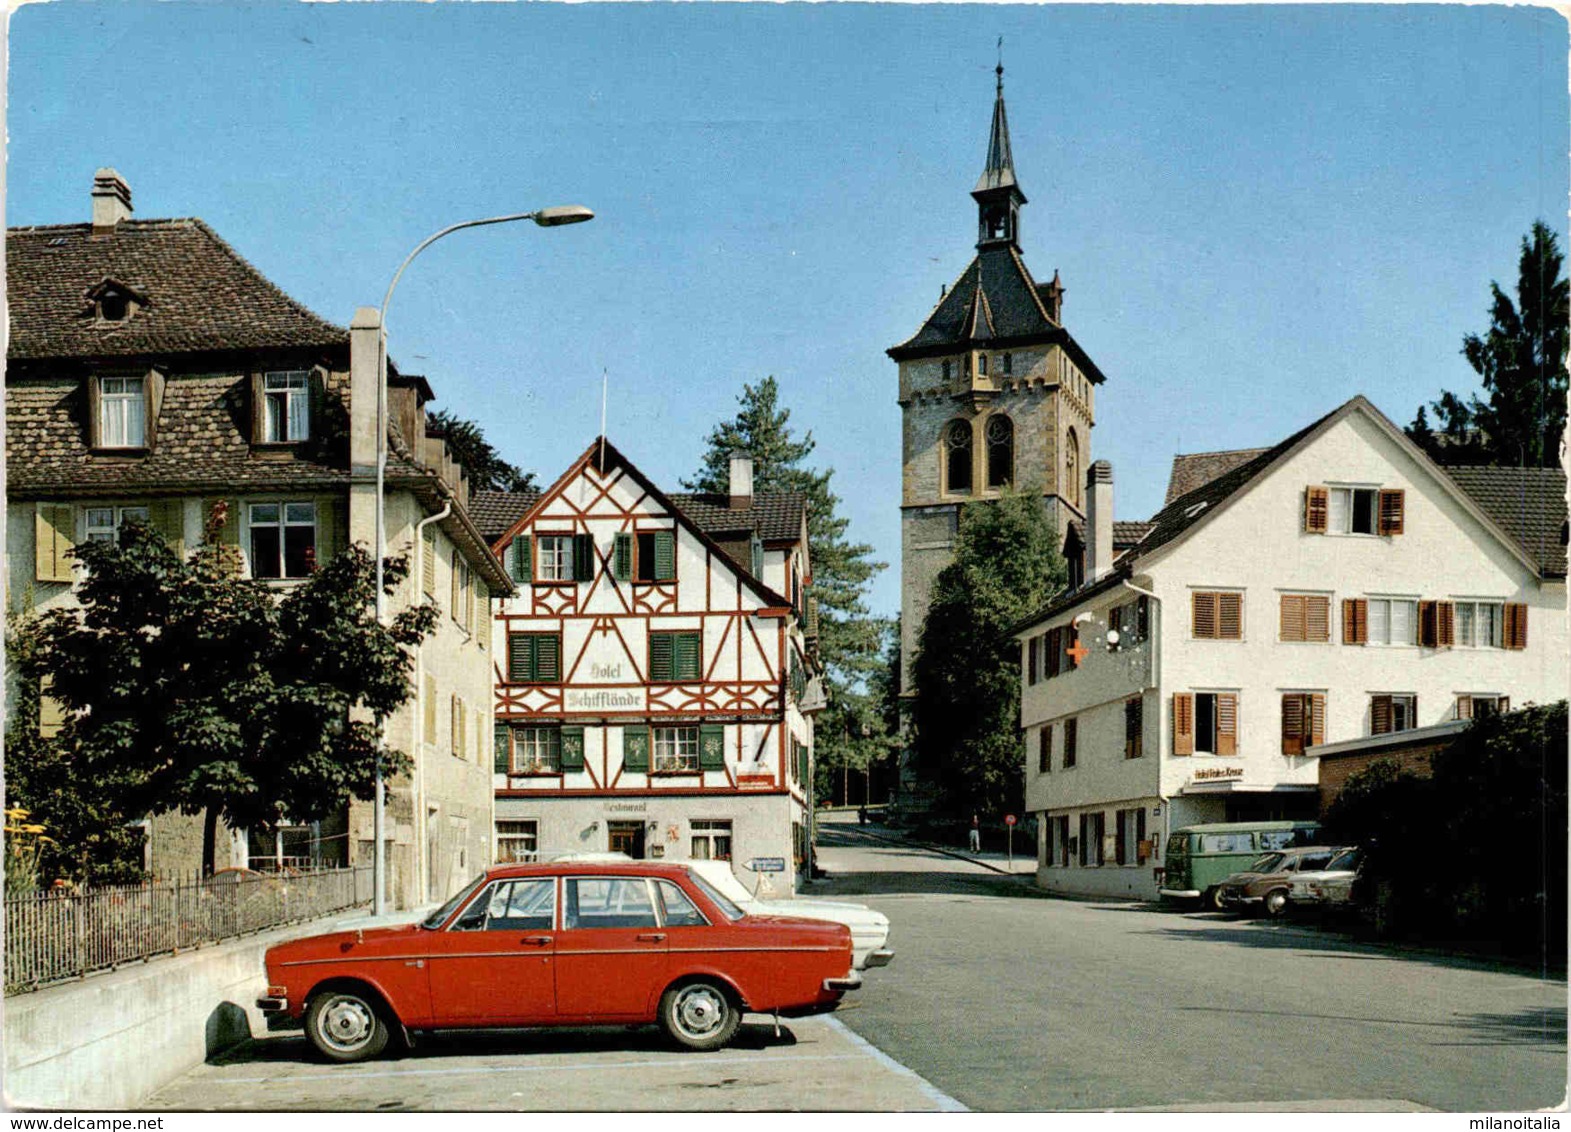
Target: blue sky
column 1258, row 211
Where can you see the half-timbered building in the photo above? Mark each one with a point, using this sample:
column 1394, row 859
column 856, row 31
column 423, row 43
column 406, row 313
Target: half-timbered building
column 655, row 675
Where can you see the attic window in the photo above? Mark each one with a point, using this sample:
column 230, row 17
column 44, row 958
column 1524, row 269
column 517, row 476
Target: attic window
column 113, row 306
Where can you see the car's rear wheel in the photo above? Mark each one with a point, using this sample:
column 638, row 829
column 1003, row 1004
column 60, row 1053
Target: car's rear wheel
column 700, row 1014
column 346, row 1025
column 1211, row 900
column 1274, row 903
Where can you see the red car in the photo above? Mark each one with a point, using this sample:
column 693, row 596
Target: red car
column 570, row 944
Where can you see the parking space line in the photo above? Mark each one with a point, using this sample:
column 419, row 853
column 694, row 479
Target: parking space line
column 943, row 1100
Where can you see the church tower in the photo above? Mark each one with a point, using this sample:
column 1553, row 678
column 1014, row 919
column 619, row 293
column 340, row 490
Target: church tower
column 994, row 394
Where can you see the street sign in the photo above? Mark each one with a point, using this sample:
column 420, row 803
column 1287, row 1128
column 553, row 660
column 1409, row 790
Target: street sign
column 768, row 864
column 1009, row 819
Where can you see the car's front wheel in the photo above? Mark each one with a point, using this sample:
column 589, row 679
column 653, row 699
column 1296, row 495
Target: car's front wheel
column 700, row 1014
column 346, row 1025
column 1211, row 900
column 1274, row 903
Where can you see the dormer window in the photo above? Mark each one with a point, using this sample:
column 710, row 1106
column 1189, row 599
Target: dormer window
column 114, row 307
column 122, row 416
column 286, row 400
column 981, row 365
column 112, row 303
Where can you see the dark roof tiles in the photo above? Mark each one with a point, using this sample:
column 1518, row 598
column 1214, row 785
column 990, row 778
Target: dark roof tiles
column 495, row 511
column 1529, row 504
column 774, row 515
column 1200, row 468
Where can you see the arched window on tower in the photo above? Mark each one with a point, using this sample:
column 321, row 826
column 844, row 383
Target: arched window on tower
column 957, row 457
column 1071, row 490
column 1000, row 451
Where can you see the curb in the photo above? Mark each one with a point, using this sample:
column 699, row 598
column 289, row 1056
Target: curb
column 942, row 849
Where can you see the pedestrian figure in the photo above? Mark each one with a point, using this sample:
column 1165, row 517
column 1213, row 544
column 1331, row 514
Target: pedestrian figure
column 861, row 815
column 976, row 834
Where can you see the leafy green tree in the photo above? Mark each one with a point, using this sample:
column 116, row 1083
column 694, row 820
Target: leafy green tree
column 966, row 672
column 849, row 636
column 487, row 470
column 187, row 687
column 1521, row 364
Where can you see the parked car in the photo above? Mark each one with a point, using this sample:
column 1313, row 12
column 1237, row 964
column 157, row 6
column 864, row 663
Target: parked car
column 1200, row 857
column 869, row 929
column 1332, row 885
column 567, row 944
column 1264, row 885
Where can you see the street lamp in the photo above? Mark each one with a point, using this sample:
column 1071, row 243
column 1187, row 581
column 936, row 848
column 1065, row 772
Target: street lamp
column 553, row 217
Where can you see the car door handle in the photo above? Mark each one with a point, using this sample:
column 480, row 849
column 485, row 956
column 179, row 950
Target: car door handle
column 536, row 940
column 651, row 937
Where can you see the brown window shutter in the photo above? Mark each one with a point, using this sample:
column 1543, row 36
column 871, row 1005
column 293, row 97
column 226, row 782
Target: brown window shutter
column 1392, row 506
column 1230, row 616
column 1292, row 724
column 153, row 395
column 258, row 411
column 1464, row 707
column 1226, row 724
column 1503, row 704
column 1379, row 715
column 1316, row 508
column 1031, row 651
column 1051, row 651
column 1445, row 623
column 1183, row 723
column 1317, row 618
column 95, row 414
column 1516, row 626
column 1317, row 719
column 1355, row 621
column 1204, row 615
column 1428, row 631
column 1293, row 627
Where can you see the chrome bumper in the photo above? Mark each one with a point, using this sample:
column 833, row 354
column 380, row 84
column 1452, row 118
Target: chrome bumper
column 849, row 982
column 1187, row 893
column 880, row 958
column 270, row 1005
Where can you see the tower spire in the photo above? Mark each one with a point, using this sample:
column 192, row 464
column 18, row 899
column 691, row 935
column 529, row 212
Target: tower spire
column 997, row 193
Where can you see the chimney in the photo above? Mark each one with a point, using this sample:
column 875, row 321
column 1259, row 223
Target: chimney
column 741, row 481
column 111, row 201
column 1099, row 520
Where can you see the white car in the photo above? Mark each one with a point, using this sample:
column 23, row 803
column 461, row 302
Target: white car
column 869, row 929
column 1329, row 885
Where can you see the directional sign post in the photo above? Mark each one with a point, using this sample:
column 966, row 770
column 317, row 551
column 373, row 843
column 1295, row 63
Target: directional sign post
column 1009, row 820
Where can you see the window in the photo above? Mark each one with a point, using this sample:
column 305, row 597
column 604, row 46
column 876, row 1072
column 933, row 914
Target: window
column 1134, row 728
column 283, row 540
column 946, row 369
column 609, row 902
column 122, row 413
column 1000, row 451
column 1092, row 829
column 1218, row 616
column 286, row 401
column 1072, row 468
column 1058, row 851
column 459, row 603
column 1007, row 363
column 1354, row 510
column 1044, row 743
column 1131, row 831
column 554, row 558
column 1303, row 721
column 114, row 306
column 1480, row 624
column 711, row 840
column 655, row 560
column 103, row 523
column 1305, row 617
column 534, row 658
column 1071, row 734
column 676, row 750
column 676, row 908
column 537, row 750
column 1205, row 723
column 981, row 364
column 675, row 656
column 1391, row 621
column 1392, row 713
column 517, row 842
column 957, row 457
column 1437, row 624
column 1477, row 706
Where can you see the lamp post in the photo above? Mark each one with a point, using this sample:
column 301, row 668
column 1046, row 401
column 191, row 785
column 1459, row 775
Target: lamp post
column 546, row 218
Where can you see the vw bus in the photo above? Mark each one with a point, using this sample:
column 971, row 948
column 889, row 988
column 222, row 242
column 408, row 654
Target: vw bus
column 1200, row 857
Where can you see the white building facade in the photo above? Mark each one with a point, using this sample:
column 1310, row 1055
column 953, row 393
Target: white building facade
column 655, row 683
column 1336, row 586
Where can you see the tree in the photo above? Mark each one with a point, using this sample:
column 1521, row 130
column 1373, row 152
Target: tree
column 849, row 636
column 1521, row 364
column 487, row 470
column 966, row 673
column 186, row 687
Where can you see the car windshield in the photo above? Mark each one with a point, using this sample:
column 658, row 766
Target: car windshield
column 1345, row 861
column 722, row 901
column 1267, row 864
column 439, row 917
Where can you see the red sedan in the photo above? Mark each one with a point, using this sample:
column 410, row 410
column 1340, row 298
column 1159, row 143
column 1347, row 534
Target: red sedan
column 570, row 944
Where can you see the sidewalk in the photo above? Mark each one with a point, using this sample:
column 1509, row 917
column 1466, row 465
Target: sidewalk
column 1023, row 863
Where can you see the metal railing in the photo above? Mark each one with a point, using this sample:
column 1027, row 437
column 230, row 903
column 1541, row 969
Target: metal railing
column 55, row 936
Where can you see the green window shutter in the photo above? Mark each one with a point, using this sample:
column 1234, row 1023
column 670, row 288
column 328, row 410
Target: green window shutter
column 520, row 658
column 572, row 748
column 583, row 558
column 518, row 559
column 660, row 656
column 665, row 556
column 548, row 659
column 711, row 746
column 635, row 749
column 758, row 557
column 428, row 562
column 53, row 530
column 622, row 558
column 503, row 742
column 687, row 661
column 168, row 519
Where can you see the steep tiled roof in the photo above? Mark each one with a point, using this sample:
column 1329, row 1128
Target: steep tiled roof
column 1127, row 532
column 774, row 515
column 1529, row 504
column 200, row 294
column 495, row 511
column 1200, row 468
